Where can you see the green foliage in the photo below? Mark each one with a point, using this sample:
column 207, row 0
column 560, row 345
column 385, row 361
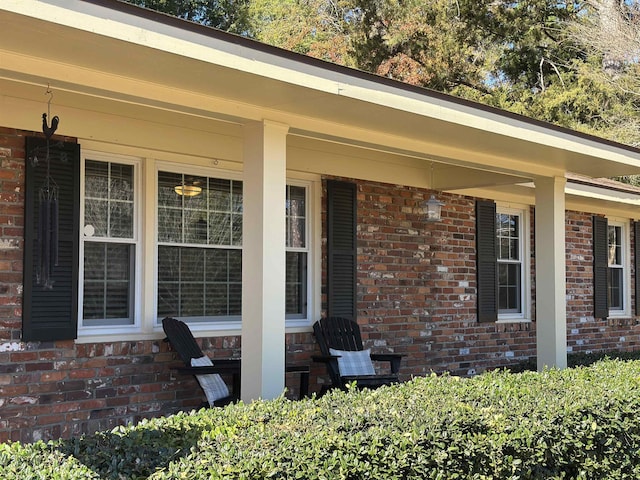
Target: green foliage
column 228, row 15
column 578, row 423
column 540, row 58
column 311, row 27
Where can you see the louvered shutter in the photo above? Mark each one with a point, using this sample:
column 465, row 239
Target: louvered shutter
column 487, row 261
column 51, row 313
column 636, row 257
column 600, row 267
column 341, row 249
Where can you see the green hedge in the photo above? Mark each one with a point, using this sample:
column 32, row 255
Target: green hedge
column 579, row 423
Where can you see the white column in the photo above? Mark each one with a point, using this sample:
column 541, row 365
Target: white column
column 263, row 261
column 551, row 289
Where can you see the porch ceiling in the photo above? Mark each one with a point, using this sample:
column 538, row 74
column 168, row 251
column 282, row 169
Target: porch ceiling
column 118, row 63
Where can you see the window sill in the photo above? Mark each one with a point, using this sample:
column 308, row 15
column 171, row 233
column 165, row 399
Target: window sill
column 199, row 330
column 513, row 320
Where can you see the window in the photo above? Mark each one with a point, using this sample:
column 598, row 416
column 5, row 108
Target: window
column 297, row 252
column 108, row 244
column 199, row 247
column 618, row 270
column 511, row 264
column 199, row 258
column 164, row 241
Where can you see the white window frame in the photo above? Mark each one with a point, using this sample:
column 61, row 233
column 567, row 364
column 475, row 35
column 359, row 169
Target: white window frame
column 522, row 211
column 626, row 266
column 91, row 330
column 145, row 325
column 313, row 219
column 310, row 230
column 202, row 323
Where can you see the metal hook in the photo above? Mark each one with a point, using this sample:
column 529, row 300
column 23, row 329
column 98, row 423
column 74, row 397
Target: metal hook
column 50, row 93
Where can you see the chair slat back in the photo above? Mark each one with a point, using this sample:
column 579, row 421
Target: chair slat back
column 339, row 333
column 181, row 339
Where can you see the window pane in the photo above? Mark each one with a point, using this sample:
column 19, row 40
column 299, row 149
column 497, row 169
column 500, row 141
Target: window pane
column 121, row 182
column 220, row 229
column 296, row 217
column 118, row 299
column 93, row 301
column 191, row 265
column 167, row 196
column 235, row 266
column 199, row 282
column 615, row 289
column 296, row 203
column 514, row 227
column 108, row 199
column 168, row 299
column 217, row 265
column 169, row 224
column 168, row 263
column 192, row 299
column 121, row 218
column 118, row 262
column 235, row 299
column 108, row 280
column 236, row 230
column 96, row 215
column 236, row 197
column 514, row 249
column 296, row 283
column 195, row 226
column 508, row 234
column 217, row 300
column 94, row 261
column 615, row 245
column 220, row 195
column 509, row 288
column 504, row 248
column 296, row 233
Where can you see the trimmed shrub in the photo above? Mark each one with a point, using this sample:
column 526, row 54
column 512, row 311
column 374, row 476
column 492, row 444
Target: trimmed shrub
column 578, row 423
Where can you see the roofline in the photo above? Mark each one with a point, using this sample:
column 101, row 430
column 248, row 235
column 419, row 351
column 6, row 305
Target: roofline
column 603, row 183
column 211, row 32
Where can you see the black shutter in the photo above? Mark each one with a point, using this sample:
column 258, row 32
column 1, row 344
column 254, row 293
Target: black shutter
column 600, row 267
column 341, row 249
column 636, row 261
column 51, row 313
column 487, row 261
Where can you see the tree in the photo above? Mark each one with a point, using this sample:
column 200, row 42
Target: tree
column 317, row 28
column 572, row 63
column 609, row 34
column 228, row 15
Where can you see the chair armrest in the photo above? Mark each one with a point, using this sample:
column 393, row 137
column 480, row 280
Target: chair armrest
column 215, row 368
column 393, row 358
column 227, row 362
column 325, row 358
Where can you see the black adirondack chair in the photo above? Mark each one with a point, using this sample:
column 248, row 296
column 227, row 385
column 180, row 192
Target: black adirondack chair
column 340, row 337
column 183, row 342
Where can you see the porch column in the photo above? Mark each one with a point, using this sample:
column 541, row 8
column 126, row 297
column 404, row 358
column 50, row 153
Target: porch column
column 263, row 261
column 551, row 290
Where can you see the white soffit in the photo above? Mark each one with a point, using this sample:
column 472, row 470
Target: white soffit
column 244, row 80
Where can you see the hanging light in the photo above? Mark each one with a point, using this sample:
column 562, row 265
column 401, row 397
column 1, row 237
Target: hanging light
column 188, row 189
column 433, row 209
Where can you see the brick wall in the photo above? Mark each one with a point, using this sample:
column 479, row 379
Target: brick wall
column 416, row 296
column 417, row 284
column 584, row 332
column 61, row 389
